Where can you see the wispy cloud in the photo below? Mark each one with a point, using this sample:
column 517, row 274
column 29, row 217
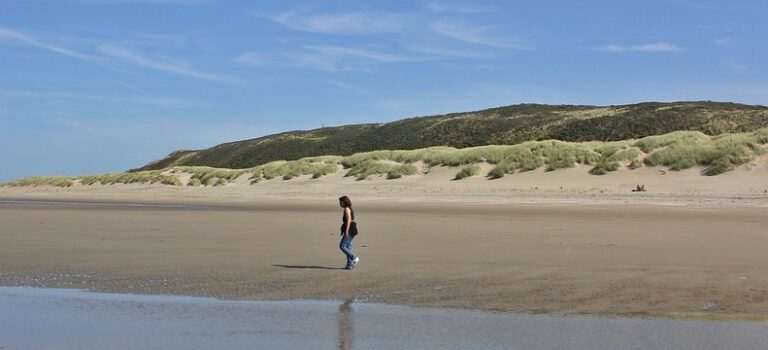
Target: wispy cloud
column 167, row 102
column 480, row 35
column 414, row 34
column 20, row 37
column 735, row 67
column 155, row 39
column 692, row 4
column 132, row 87
column 723, row 41
column 159, row 2
column 440, row 50
column 346, row 86
column 328, row 58
column 651, row 47
column 346, row 23
column 254, row 59
column 345, row 52
column 163, row 65
column 115, row 53
column 446, row 7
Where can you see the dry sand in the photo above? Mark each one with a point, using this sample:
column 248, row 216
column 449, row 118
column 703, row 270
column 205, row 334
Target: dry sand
column 690, row 244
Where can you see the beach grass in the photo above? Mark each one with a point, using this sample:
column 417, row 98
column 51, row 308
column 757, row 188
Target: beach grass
column 315, row 166
column 717, row 154
column 57, row 181
column 143, row 177
column 467, row 171
column 208, row 176
column 391, row 169
column 402, row 170
column 677, row 151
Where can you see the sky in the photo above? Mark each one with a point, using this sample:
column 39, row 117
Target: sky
column 94, row 86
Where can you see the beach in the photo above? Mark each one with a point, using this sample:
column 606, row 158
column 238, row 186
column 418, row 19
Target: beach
column 436, row 244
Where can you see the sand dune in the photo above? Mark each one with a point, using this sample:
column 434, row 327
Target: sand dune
column 747, row 185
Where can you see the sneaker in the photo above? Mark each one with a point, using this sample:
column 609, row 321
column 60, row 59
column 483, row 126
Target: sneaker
column 354, row 262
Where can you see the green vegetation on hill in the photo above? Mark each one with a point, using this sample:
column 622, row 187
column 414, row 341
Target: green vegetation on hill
column 57, row 181
column 509, row 125
column 677, row 150
column 467, row 171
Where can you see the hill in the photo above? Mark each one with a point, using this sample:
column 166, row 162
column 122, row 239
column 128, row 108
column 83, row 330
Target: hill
column 495, row 126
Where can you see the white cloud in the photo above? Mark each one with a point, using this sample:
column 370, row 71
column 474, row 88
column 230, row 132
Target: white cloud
column 735, row 67
column 163, row 65
column 347, row 86
column 435, row 49
column 158, row 2
column 480, row 35
column 25, row 39
column 693, row 4
column 345, row 23
column 120, row 54
column 344, row 52
column 52, row 96
column 724, row 41
column 253, row 58
column 651, row 47
column 444, row 7
column 155, row 39
column 328, row 58
column 132, row 87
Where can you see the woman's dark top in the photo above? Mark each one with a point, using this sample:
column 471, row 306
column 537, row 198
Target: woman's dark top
column 352, row 227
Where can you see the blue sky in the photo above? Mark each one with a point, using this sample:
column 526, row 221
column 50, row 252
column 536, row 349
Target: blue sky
column 91, row 86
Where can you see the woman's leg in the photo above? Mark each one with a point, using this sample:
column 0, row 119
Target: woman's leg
column 346, row 246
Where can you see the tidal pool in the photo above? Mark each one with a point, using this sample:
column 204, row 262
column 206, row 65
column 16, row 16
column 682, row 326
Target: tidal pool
column 39, row 319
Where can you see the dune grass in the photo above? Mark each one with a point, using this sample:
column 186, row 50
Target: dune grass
column 402, row 170
column 676, row 138
column 371, row 167
column 717, row 154
column 521, row 157
column 315, row 166
column 143, row 177
column 677, row 150
column 57, row 181
column 613, row 154
column 467, row 171
column 208, row 176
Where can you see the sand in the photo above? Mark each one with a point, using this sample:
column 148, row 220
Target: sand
column 539, row 258
column 562, row 241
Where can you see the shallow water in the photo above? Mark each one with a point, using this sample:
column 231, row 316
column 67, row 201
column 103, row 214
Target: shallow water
column 33, row 318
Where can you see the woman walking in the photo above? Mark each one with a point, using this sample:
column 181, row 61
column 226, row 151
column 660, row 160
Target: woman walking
column 348, row 231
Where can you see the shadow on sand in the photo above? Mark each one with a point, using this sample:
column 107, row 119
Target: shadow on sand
column 308, row 267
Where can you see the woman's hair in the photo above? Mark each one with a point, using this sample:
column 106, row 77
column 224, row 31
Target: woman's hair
column 345, row 202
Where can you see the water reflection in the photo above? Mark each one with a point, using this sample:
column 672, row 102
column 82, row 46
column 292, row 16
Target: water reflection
column 345, row 325
column 76, row 320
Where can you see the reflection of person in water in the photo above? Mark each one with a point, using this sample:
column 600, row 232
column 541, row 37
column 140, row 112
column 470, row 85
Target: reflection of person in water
column 345, row 325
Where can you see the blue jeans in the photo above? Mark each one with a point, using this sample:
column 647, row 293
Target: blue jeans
column 346, row 246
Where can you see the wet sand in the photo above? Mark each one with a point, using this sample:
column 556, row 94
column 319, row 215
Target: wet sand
column 84, row 320
column 541, row 258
